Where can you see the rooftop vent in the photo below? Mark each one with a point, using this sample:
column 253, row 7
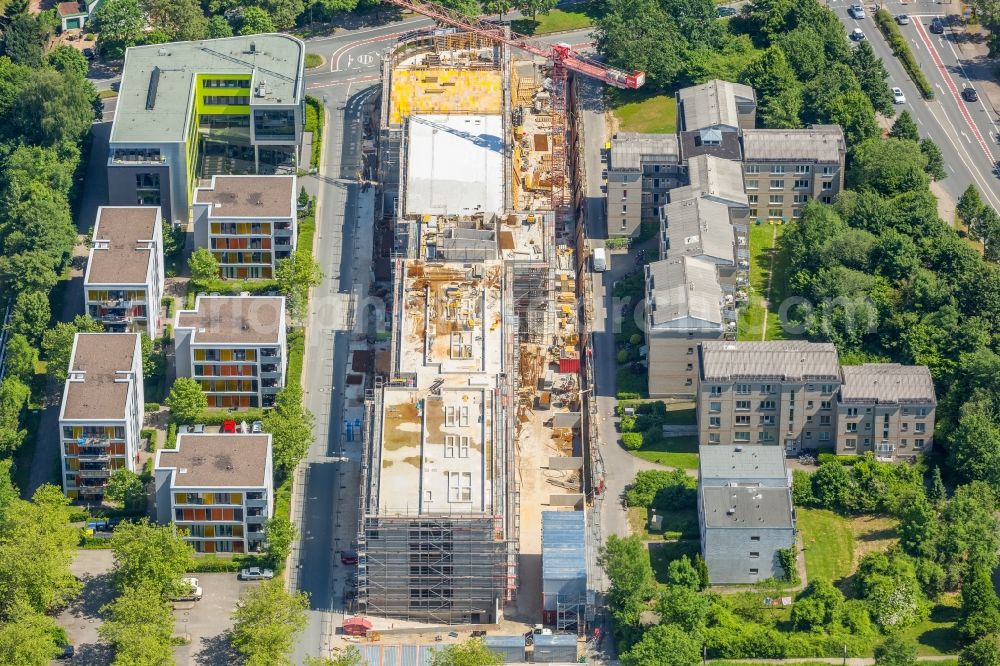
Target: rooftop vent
column 154, row 82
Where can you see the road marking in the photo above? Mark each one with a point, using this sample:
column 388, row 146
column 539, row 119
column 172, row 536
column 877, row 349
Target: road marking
column 339, row 53
column 358, row 79
column 961, row 67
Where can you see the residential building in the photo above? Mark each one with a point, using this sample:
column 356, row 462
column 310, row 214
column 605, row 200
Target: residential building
column 785, row 168
column 642, row 168
column 248, row 222
column 745, row 512
column 76, row 15
column 190, row 110
column 235, row 347
column 715, row 179
column 100, row 418
column 698, row 228
column 123, row 283
column 684, row 306
column 711, row 116
column 778, row 392
column 219, row 488
column 886, row 408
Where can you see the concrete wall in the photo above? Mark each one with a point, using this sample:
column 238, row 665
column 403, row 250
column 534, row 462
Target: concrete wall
column 673, row 369
column 884, row 429
column 624, row 202
column 727, row 554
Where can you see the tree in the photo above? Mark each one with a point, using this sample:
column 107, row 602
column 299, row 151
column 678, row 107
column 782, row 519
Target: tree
column 68, row 60
column 30, row 316
column 535, row 7
column 280, row 534
column 626, row 563
column 255, row 21
column 888, row 167
column 890, row 589
column 872, row 76
column 936, row 493
column 186, row 400
column 140, row 625
column 984, row 652
column 27, row 271
column 681, row 573
column 919, row 526
column 119, row 25
column 22, row 358
column 683, row 606
column 304, row 198
column 23, row 40
column 265, row 623
column 500, row 7
column 350, row 656
column 472, row 652
column 834, row 488
column 182, row 20
column 153, row 557
column 57, row 343
column 896, row 651
column 818, row 607
column 295, row 276
column 638, row 34
column 13, row 399
column 126, row 488
column 664, row 645
column 29, row 640
column 779, row 92
column 290, row 425
column 905, row 128
column 218, row 27
column 203, row 265
column 970, row 205
column 980, row 606
column 53, row 108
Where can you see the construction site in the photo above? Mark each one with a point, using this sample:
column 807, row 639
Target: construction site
column 472, row 425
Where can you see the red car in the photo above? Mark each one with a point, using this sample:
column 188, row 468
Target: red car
column 348, row 557
column 229, row 426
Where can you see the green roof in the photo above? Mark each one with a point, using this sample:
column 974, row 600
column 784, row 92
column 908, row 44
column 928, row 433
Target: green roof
column 155, row 98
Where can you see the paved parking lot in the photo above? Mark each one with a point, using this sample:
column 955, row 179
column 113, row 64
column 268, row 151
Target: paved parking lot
column 205, row 621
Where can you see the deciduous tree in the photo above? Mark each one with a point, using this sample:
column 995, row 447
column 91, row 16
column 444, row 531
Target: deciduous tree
column 265, row 623
column 22, row 40
column 290, row 425
column 203, row 265
column 872, row 77
column 13, row 399
column 29, row 639
column 139, row 626
column 888, row 167
column 254, row 21
column 67, row 59
column 664, row 645
column 119, row 25
column 153, row 557
column 984, row 652
column 295, row 276
column 218, row 27
column 53, row 108
column 30, row 317
column 57, row 343
column 280, row 534
column 182, row 20
column 535, row 7
column 186, row 400
column 470, row 653
column 638, row 34
column 980, row 606
column 896, row 651
column 126, row 488
column 22, row 358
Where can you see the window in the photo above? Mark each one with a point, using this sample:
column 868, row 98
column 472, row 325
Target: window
column 920, row 428
column 449, row 446
column 656, row 182
column 826, row 405
column 753, row 168
column 459, row 486
column 826, row 389
column 714, row 422
column 824, row 436
column 827, row 170
column 809, row 404
column 754, row 555
column 753, row 213
column 754, row 539
column 766, row 388
column 765, row 437
column 802, row 168
column 624, row 209
column 753, row 572
column 903, row 427
column 753, row 184
column 902, row 443
column 713, row 438
column 226, row 100
column 918, row 443
column 226, row 83
column 920, row 411
column 776, row 199
column 824, row 420
column 715, row 407
column 796, row 213
column 742, row 420
column 800, row 198
column 743, row 405
column 741, row 436
column 276, row 124
column 852, row 427
column 743, row 389
column 827, row 185
column 716, row 390
column 777, row 184
column 850, row 443
column 767, row 405
column 690, row 351
column 752, row 198
column 463, row 447
column 767, row 419
column 777, row 168
column 852, row 411
column 774, row 213
column 827, row 200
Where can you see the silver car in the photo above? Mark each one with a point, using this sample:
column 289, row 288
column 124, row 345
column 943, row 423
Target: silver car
column 857, row 11
column 256, row 573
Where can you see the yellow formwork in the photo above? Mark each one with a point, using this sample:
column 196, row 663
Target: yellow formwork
column 444, row 90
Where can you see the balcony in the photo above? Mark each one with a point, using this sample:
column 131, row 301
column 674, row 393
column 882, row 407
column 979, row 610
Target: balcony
column 93, row 474
column 271, row 352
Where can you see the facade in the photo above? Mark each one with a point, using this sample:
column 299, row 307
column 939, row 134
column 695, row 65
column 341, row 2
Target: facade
column 711, row 116
column 778, row 392
column 886, row 408
column 745, row 512
column 248, row 222
column 235, row 347
column 785, row 168
column 100, row 418
column 76, row 15
column 123, row 283
column 642, row 169
column 190, row 110
column 218, row 488
column 684, row 306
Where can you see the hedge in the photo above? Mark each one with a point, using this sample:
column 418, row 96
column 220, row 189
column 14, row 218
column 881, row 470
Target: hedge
column 151, row 407
column 171, row 442
column 216, row 564
column 632, row 441
column 314, row 123
column 902, row 51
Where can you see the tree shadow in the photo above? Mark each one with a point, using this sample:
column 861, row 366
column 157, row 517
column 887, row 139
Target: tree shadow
column 216, row 651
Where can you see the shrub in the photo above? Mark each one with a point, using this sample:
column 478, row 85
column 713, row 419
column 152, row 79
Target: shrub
column 627, row 424
column 629, row 395
column 171, row 442
column 902, row 51
column 632, row 441
column 636, row 339
column 786, row 558
column 151, row 407
column 662, row 489
column 623, row 356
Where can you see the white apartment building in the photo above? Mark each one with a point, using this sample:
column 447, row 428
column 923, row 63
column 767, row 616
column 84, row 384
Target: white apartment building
column 218, row 488
column 100, row 418
column 123, row 283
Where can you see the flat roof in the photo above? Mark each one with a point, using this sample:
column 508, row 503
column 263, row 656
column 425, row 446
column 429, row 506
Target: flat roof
column 713, row 177
column 697, row 227
column 747, row 507
column 888, row 383
column 788, row 360
column 712, row 104
column 720, row 461
column 436, row 451
column 97, row 387
column 234, row 319
column 564, row 548
column 454, row 165
column 217, row 461
column 684, row 292
column 820, row 143
column 249, row 196
column 158, row 81
column 630, row 149
column 119, row 254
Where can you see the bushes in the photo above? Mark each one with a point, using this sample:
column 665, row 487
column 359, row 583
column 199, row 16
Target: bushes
column 151, row 407
column 314, row 123
column 171, row 442
column 632, row 441
column 902, row 51
column 662, row 490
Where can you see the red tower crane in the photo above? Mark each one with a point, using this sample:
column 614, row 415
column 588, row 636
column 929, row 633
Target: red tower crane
column 563, row 59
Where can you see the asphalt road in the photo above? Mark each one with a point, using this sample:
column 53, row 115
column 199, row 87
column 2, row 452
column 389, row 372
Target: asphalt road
column 965, row 132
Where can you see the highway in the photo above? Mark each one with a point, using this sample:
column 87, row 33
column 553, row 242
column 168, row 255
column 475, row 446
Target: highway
column 965, row 132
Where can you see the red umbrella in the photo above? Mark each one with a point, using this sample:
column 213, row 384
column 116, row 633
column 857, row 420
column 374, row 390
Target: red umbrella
column 356, row 626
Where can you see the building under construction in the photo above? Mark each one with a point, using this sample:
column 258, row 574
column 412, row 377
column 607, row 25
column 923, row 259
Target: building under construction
column 472, row 427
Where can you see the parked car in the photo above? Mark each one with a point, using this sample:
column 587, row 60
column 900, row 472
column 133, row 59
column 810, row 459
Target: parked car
column 897, row 96
column 193, row 593
column 903, row 19
column 348, row 557
column 68, row 651
column 257, row 426
column 937, row 26
column 970, row 95
column 256, row 573
column 857, row 11
column 229, row 427
column 88, row 53
column 726, row 11
column 857, row 34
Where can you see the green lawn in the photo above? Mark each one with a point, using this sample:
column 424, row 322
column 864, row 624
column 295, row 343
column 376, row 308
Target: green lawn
column 628, row 382
column 681, row 452
column 313, row 60
column 559, row 20
column 680, row 416
column 763, row 239
column 644, row 112
column 663, row 553
column 936, row 635
column 106, row 94
column 828, row 543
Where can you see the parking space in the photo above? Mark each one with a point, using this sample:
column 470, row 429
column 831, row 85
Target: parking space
column 207, row 621
column 82, row 618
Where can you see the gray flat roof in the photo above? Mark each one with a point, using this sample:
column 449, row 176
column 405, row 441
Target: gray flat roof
column 713, row 177
column 747, row 508
column 700, row 227
column 119, row 256
column 236, row 320
column 564, row 549
column 249, row 196
column 630, row 149
column 889, row 383
column 712, row 104
column 684, row 293
column 163, row 76
column 788, row 360
column 821, row 143
column 217, row 461
column 720, row 461
column 101, row 391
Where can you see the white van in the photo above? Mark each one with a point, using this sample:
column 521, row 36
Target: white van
column 599, row 259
